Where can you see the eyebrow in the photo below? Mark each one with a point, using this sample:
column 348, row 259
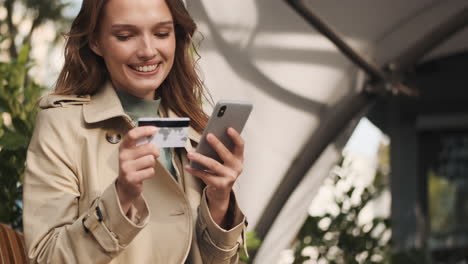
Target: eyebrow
column 124, row 26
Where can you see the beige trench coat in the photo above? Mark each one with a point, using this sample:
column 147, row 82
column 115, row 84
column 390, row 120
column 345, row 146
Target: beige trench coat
column 71, row 209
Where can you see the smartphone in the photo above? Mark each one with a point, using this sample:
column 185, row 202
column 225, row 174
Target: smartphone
column 226, row 114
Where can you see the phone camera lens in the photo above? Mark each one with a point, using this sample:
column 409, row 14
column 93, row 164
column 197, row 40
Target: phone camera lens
column 221, row 111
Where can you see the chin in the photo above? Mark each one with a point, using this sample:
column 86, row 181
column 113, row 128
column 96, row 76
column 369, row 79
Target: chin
column 140, row 86
column 145, row 88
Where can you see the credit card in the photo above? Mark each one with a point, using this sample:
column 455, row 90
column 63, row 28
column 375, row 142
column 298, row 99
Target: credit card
column 172, row 132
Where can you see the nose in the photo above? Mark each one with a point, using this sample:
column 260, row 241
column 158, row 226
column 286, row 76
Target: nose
column 146, row 49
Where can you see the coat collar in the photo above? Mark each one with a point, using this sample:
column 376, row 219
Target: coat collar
column 55, row 100
column 105, row 104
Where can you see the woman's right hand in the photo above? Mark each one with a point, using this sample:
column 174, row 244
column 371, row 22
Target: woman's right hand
column 136, row 164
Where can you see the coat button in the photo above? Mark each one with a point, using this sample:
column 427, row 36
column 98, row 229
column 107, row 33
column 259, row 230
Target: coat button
column 113, row 138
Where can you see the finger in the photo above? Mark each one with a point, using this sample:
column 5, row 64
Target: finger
column 224, row 153
column 140, row 151
column 130, row 167
column 145, row 174
column 239, row 143
column 209, row 163
column 206, row 177
column 137, row 133
column 142, row 163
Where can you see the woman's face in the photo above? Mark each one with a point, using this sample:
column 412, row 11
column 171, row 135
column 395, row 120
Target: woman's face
column 137, row 41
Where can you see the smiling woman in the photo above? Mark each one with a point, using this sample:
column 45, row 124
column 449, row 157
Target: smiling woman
column 91, row 193
column 137, row 43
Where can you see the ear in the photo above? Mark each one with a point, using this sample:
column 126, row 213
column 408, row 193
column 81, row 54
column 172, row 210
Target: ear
column 95, row 47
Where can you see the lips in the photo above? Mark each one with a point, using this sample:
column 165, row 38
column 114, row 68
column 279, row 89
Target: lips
column 145, row 68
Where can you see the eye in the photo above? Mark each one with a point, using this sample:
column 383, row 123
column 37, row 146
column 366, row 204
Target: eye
column 162, row 35
column 123, row 37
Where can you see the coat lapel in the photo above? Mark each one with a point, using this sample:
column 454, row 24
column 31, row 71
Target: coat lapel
column 191, row 185
column 104, row 105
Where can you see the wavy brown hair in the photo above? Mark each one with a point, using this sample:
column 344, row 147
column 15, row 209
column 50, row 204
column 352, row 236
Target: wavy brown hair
column 84, row 72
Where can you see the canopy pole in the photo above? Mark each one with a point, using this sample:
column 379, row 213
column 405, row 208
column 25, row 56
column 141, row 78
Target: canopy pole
column 428, row 42
column 331, row 128
column 372, row 70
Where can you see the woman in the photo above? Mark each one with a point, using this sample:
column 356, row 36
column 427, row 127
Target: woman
column 91, row 195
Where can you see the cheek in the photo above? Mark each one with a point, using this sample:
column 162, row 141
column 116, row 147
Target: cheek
column 169, row 50
column 117, row 53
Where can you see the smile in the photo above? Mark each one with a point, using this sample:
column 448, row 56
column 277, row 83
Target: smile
column 147, row 68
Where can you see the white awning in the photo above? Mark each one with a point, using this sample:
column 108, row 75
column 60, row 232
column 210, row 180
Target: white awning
column 264, row 52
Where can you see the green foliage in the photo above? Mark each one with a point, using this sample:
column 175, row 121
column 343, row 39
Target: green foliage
column 337, row 237
column 253, row 243
column 18, row 97
column 33, row 14
column 442, row 196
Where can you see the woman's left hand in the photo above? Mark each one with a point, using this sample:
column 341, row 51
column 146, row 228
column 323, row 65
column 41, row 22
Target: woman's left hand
column 220, row 177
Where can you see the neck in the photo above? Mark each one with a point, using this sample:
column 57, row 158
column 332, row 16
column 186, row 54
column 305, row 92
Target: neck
column 143, row 95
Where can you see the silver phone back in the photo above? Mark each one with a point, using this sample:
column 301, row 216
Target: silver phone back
column 235, row 116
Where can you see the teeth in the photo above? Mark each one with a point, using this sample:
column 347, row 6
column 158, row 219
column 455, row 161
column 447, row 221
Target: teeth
column 146, row 68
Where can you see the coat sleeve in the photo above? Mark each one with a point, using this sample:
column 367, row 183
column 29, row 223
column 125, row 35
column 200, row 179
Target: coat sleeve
column 216, row 244
column 55, row 230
